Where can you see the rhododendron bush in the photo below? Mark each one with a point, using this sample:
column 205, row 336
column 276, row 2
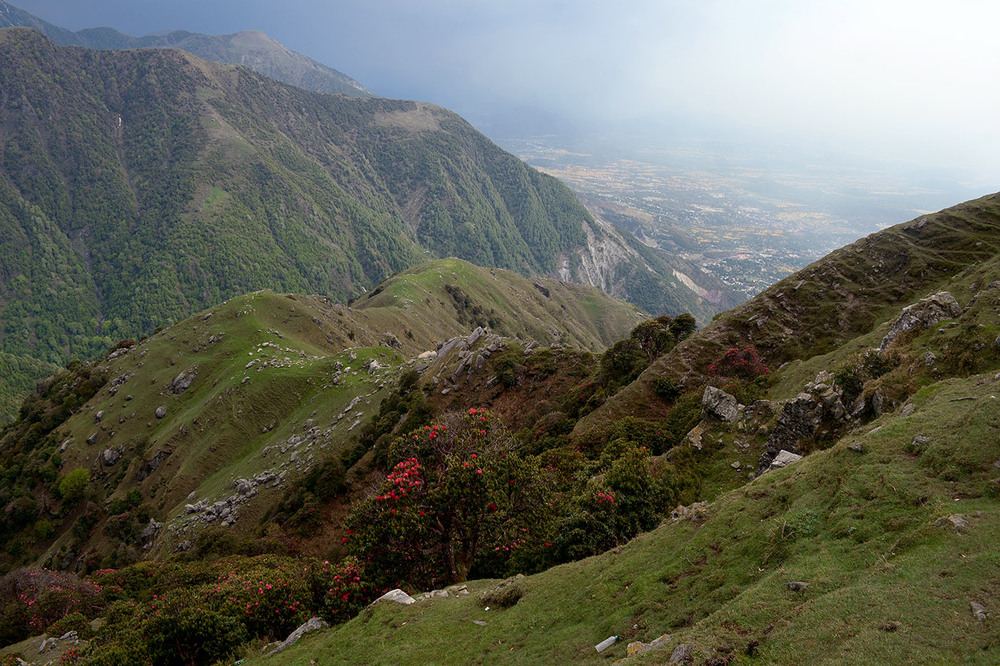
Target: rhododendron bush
column 457, row 490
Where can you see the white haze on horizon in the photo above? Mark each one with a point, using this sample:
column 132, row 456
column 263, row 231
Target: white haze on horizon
column 897, row 80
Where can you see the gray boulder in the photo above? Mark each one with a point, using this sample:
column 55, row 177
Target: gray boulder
column 475, row 336
column 390, row 340
column 396, row 595
column 152, row 529
column 160, row 412
column 783, row 459
column 183, row 381
column 719, row 405
column 683, row 654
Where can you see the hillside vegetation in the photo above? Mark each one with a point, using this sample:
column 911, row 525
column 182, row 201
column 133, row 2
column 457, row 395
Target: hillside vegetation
column 838, row 507
column 836, row 299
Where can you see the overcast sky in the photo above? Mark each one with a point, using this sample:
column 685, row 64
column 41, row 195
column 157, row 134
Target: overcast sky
column 904, row 79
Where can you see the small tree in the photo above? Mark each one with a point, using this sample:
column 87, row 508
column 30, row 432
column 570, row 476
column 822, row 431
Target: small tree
column 459, row 488
column 73, row 485
column 654, row 337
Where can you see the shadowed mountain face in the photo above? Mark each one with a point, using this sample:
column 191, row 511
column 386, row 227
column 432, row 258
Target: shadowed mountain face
column 252, row 49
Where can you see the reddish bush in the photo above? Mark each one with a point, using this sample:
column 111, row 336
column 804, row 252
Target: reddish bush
column 740, row 362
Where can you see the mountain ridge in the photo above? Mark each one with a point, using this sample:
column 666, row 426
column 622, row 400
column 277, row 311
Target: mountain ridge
column 251, row 48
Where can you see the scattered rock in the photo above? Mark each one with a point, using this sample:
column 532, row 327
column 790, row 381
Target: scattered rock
column 924, row 313
column 183, row 381
column 313, row 624
column 479, row 623
column 978, row 611
column 908, row 410
column 891, row 626
column 697, row 512
column 682, row 654
column 857, row 447
column 92, row 439
column 99, row 416
column 719, row 405
column 797, row 585
column 110, row 456
column 930, row 359
column 956, row 520
column 736, row 465
column 396, row 595
column 160, row 412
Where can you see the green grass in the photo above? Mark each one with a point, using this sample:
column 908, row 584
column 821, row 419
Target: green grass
column 861, row 529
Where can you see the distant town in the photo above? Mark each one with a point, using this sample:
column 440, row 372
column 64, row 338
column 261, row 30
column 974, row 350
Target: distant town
column 749, row 226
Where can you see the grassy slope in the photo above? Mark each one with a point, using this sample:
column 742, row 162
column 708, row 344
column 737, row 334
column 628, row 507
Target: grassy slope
column 861, row 529
column 832, row 301
column 216, row 431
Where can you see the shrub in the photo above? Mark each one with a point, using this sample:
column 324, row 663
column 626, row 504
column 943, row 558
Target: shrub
column 740, row 362
column 665, row 388
column 74, row 484
column 32, row 600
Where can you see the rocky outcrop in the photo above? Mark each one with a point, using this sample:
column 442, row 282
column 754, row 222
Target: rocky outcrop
column 924, row 313
column 814, row 412
column 799, row 420
column 314, row 624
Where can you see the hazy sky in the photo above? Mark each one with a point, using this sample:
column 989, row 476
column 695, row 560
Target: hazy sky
column 899, row 79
